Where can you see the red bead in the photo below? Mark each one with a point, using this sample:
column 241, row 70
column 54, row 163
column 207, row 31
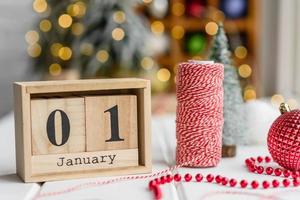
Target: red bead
column 188, row 177
column 286, row 182
column 151, row 185
column 260, row 169
column 243, row 183
column 267, row 159
column 157, row 181
column 286, row 173
column 254, row 184
column 218, row 179
column 295, row 174
column 163, row 180
column 275, row 183
column 248, row 162
column 269, row 170
column 157, row 192
column 169, row 178
column 232, row 182
column 253, row 159
column 265, row 184
column 296, row 181
column 177, row 177
column 277, row 171
column 209, row 178
column 224, row 181
column 259, row 159
column 199, row 177
column 252, row 168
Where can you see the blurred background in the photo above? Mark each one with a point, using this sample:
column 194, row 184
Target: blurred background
column 72, row 39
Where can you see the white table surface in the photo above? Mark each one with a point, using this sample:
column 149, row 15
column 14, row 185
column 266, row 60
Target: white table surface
column 163, row 149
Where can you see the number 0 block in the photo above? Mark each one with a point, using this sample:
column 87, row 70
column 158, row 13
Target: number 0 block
column 111, row 122
column 82, row 128
column 58, row 125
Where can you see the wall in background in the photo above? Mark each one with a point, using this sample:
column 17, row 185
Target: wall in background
column 16, row 18
column 268, row 51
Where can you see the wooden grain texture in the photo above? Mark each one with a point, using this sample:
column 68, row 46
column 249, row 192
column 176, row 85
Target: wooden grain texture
column 22, row 131
column 75, row 162
column 98, row 122
column 82, row 85
column 144, row 126
column 40, row 111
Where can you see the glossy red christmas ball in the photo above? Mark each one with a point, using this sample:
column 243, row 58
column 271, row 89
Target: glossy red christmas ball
column 284, row 138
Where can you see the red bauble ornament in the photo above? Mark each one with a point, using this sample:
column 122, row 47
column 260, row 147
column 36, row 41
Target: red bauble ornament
column 284, row 138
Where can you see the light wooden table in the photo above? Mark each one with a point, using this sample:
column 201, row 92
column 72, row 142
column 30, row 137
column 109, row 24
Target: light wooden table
column 163, row 148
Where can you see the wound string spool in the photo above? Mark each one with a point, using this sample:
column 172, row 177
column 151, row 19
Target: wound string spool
column 199, row 114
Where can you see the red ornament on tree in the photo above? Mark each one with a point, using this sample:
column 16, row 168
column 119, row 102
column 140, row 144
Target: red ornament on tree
column 284, row 138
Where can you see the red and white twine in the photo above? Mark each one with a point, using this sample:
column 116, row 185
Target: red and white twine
column 199, row 116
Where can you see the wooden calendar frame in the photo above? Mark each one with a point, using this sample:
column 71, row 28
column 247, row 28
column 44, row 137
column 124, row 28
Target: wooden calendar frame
column 24, row 92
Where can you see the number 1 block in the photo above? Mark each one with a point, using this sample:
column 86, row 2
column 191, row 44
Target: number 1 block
column 111, row 122
column 58, row 126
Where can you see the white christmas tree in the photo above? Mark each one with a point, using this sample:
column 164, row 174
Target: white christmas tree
column 234, row 115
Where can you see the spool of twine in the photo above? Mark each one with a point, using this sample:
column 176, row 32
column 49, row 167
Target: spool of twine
column 199, row 114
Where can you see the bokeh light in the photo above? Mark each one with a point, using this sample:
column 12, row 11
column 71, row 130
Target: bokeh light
column 177, row 32
column 293, row 103
column 178, row 9
column 86, row 49
column 245, row 70
column 147, row 1
column 77, row 28
column 157, row 27
column 211, row 28
column 32, row 37
column 65, row 53
column 147, row 63
column 55, row 47
column 55, row 69
column 118, row 34
column 65, row 20
column 163, row 75
column 77, row 10
column 45, row 25
column 240, row 52
column 249, row 94
column 39, row 6
column 119, row 17
column 102, row 56
column 277, row 99
column 34, row 50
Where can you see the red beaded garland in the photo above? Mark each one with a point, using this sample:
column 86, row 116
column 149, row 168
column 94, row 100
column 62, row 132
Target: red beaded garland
column 252, row 167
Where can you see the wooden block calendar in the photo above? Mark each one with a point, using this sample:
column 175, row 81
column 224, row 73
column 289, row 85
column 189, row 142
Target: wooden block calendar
column 82, row 128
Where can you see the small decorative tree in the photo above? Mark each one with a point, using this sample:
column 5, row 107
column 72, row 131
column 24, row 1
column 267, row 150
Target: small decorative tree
column 234, row 118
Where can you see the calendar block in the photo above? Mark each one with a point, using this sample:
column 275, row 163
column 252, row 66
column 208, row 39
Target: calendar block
column 51, row 118
column 111, row 122
column 82, row 128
